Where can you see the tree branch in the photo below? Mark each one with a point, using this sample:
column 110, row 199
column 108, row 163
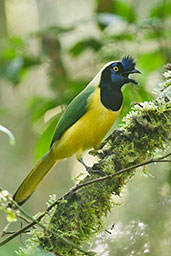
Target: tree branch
column 79, row 186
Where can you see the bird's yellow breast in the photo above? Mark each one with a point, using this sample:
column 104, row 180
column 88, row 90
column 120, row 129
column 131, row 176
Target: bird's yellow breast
column 88, row 131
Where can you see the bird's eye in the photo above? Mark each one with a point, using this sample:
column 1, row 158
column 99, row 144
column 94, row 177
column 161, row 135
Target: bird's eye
column 115, row 68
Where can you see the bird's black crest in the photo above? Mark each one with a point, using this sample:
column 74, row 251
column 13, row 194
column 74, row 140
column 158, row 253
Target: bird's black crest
column 128, row 63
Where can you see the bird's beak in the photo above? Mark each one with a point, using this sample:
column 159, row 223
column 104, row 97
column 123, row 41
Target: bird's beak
column 135, row 71
column 129, row 80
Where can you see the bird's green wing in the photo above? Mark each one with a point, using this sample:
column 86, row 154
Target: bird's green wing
column 75, row 110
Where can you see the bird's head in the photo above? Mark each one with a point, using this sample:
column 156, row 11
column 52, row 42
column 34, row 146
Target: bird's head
column 118, row 72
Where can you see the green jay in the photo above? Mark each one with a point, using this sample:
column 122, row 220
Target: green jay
column 85, row 122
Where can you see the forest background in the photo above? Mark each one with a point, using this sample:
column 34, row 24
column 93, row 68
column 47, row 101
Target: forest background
column 49, row 51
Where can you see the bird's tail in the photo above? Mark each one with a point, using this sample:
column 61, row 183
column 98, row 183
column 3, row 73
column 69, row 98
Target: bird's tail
column 33, row 179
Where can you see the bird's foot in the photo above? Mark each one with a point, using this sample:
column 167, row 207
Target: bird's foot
column 89, row 169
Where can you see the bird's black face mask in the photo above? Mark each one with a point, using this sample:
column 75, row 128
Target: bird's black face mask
column 113, row 77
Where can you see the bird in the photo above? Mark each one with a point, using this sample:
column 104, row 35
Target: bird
column 84, row 123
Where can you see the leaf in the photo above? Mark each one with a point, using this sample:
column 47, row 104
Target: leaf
column 79, row 47
column 18, row 42
column 161, row 10
column 11, row 136
column 124, row 36
column 124, row 10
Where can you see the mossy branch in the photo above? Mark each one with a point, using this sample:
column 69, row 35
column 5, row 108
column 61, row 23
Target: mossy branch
column 36, row 221
column 80, row 214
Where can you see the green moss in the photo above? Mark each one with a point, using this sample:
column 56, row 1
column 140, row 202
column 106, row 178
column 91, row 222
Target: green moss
column 145, row 130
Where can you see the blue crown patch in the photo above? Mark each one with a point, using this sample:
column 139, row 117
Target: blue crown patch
column 128, row 63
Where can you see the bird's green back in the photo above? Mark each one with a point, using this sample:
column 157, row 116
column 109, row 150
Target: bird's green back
column 75, row 110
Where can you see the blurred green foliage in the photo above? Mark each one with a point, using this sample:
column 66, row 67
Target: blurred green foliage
column 16, row 59
column 146, row 38
column 125, row 10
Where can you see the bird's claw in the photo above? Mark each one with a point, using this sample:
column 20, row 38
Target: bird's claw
column 89, row 169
